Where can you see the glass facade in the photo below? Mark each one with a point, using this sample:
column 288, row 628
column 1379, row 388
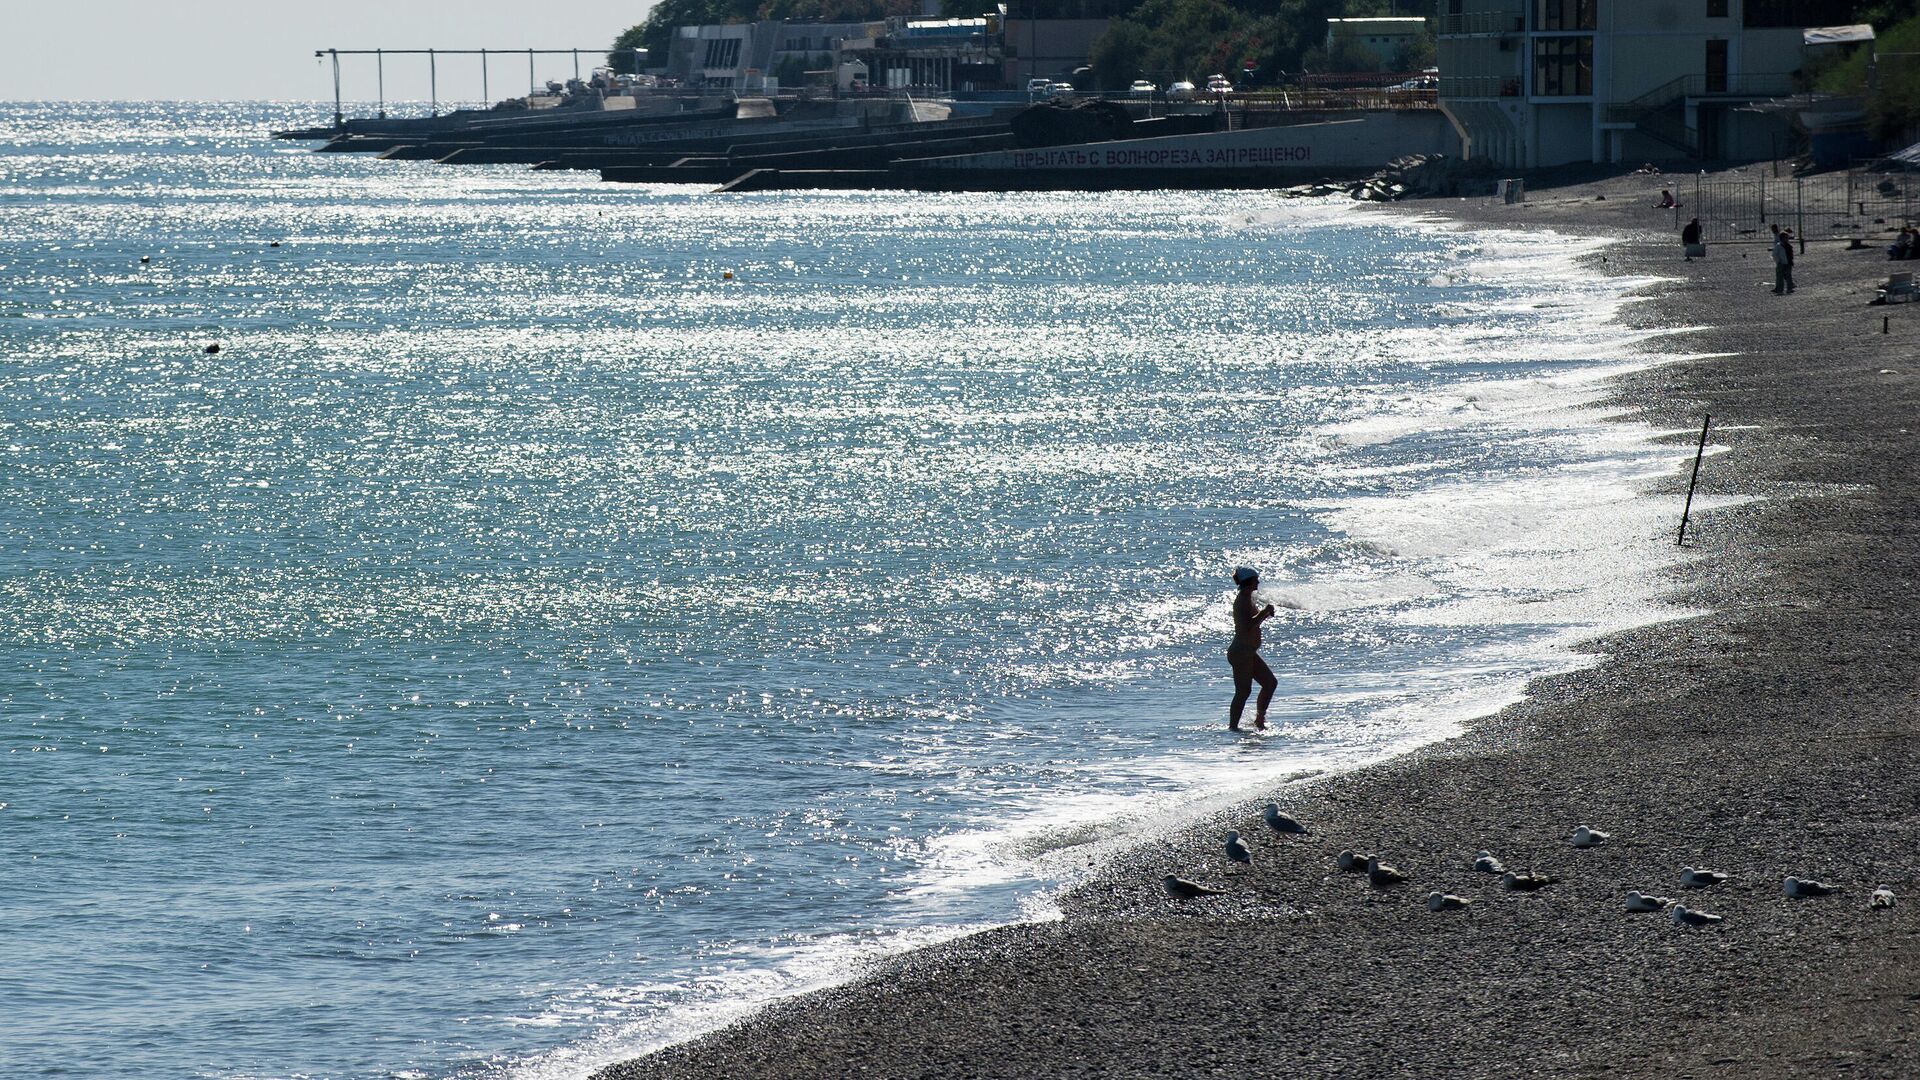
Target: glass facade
column 1565, row 14
column 1563, row 67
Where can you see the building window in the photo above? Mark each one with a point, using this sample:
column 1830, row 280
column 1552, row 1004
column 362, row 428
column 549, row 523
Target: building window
column 1565, row 14
column 1563, row 67
column 1716, row 9
column 723, row 53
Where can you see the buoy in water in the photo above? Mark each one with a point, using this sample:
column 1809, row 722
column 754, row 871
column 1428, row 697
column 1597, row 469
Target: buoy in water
column 213, row 348
column 146, row 258
column 726, row 275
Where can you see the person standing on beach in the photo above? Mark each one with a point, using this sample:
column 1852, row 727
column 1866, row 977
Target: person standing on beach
column 1244, row 654
column 1690, row 239
column 1782, row 261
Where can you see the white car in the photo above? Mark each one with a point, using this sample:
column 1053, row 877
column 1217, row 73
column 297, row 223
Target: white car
column 1141, row 88
column 1180, row 91
column 1422, row 86
column 1039, row 86
column 1219, row 84
column 1063, row 88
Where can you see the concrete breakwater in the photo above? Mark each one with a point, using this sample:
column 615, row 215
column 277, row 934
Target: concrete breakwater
column 1087, row 145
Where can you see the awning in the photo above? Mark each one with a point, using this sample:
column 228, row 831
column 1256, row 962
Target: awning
column 1837, row 35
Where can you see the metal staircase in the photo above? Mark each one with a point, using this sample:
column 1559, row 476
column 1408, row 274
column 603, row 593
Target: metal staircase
column 1661, row 113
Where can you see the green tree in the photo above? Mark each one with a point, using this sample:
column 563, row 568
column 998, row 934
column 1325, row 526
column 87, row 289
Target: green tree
column 620, row 57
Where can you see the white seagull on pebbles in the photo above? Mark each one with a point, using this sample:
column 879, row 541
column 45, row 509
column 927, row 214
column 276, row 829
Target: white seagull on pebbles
column 1882, row 898
column 1686, row 916
column 1181, row 889
column 1237, row 849
column 1700, row 879
column 1585, row 837
column 1282, row 823
column 1807, row 888
column 1485, row 862
column 1446, row 901
column 1637, row 901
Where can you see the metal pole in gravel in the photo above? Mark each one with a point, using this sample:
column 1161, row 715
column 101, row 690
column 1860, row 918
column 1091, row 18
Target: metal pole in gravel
column 1705, row 422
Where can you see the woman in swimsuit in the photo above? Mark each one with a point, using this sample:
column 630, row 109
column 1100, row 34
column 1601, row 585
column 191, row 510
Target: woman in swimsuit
column 1244, row 653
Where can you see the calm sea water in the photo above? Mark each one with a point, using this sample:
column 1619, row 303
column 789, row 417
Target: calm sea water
column 520, row 646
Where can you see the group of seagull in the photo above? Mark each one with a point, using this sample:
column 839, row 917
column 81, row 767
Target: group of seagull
column 1381, row 876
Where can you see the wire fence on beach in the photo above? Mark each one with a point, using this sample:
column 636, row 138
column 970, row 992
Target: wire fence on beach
column 1860, row 203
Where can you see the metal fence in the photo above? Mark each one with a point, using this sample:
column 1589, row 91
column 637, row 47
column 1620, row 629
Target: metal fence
column 1861, row 203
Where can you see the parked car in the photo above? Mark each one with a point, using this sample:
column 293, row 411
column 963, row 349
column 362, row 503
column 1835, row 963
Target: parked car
column 1219, row 84
column 1415, row 89
column 1141, row 88
column 1063, row 88
column 1039, row 86
column 1180, row 91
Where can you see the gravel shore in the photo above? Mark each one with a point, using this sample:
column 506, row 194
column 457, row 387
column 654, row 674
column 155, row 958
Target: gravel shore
column 1779, row 735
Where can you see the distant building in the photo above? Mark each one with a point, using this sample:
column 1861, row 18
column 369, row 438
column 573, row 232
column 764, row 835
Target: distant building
column 912, row 55
column 1533, row 83
column 934, row 55
column 1386, row 38
column 1049, row 48
column 743, row 56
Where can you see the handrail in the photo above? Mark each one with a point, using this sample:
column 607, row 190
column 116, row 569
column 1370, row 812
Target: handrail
column 1697, row 85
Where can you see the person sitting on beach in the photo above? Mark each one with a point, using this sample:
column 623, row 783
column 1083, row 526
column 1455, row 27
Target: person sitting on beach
column 1690, row 240
column 1902, row 246
column 1244, row 654
column 1666, row 200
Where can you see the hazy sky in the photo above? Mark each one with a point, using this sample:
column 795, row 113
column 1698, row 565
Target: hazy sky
column 241, row 50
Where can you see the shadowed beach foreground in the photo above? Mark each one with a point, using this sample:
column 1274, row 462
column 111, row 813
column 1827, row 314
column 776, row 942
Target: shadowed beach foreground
column 1779, row 735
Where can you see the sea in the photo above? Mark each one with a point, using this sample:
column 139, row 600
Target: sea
column 563, row 617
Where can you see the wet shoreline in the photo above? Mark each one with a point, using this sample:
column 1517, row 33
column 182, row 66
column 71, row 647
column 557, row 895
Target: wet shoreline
column 1777, row 735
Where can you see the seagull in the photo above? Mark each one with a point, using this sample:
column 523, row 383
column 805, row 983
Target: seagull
column 1442, row 901
column 1700, row 879
column 1351, row 863
column 1381, row 876
column 1807, row 888
column 1585, row 837
column 1686, row 916
column 1882, row 898
column 1527, row 882
column 1282, row 823
column 1237, row 849
column 1484, row 861
column 1641, row 902
column 1181, row 889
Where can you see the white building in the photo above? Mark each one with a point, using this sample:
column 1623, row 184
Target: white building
column 744, row 56
column 1534, row 83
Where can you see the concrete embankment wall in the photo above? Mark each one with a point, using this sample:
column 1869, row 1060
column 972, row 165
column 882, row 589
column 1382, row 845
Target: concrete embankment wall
column 1358, row 145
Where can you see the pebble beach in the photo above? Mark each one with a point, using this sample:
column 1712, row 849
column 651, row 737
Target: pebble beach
column 1777, row 735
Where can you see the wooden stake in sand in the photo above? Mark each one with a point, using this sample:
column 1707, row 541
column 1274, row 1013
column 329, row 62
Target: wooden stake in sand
column 1706, row 422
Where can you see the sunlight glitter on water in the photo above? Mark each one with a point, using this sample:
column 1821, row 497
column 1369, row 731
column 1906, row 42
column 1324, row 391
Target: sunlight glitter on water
column 519, row 646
